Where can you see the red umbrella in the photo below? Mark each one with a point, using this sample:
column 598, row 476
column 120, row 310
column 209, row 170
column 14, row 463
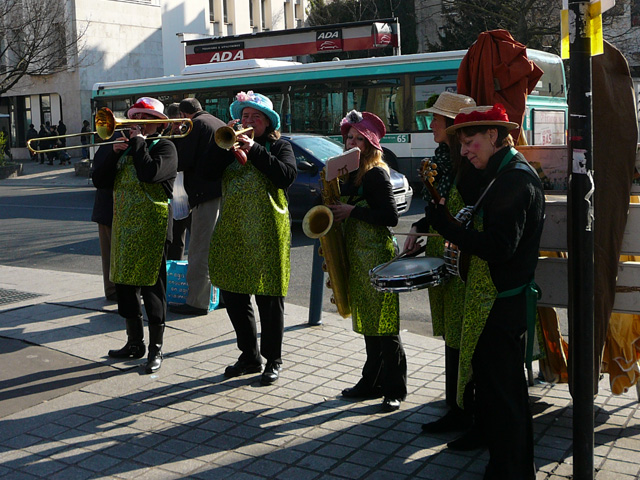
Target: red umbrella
column 496, row 70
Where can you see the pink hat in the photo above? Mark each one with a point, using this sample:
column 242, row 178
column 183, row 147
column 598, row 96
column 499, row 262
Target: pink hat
column 368, row 124
column 147, row 105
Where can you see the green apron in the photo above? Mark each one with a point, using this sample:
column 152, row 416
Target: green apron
column 373, row 313
column 250, row 245
column 447, row 300
column 139, row 229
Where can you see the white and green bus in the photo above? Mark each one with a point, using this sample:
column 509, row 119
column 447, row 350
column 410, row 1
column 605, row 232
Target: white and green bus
column 314, row 97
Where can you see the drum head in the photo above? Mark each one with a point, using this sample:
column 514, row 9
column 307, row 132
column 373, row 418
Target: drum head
column 406, row 267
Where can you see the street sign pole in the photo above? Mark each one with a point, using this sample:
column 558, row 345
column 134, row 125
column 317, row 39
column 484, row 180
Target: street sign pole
column 581, row 240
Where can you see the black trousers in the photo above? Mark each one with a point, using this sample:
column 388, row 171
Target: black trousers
column 155, row 297
column 386, row 366
column 502, row 399
column 271, row 310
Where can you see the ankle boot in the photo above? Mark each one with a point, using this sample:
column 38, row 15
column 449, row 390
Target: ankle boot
column 154, row 360
column 134, row 348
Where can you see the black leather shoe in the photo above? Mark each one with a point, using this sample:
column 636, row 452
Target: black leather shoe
column 453, row 421
column 472, row 440
column 130, row 350
column 186, row 309
column 361, row 392
column 242, row 368
column 270, row 374
column 153, row 363
column 390, row 404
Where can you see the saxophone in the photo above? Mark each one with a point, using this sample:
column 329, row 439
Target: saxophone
column 318, row 223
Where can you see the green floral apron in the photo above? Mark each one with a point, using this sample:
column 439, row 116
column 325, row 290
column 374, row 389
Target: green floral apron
column 480, row 293
column 250, row 245
column 447, row 300
column 139, row 229
column 373, row 313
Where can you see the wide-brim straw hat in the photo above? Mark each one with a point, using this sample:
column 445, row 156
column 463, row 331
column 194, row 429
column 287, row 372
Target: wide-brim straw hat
column 449, row 104
column 494, row 116
column 147, row 105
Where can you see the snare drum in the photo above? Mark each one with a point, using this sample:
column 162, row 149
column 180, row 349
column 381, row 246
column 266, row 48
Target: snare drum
column 408, row 274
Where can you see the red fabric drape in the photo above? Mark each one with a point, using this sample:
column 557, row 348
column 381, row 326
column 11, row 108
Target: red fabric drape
column 496, row 70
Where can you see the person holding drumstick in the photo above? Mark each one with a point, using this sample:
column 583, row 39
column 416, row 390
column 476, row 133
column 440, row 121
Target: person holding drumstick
column 456, row 313
column 249, row 250
column 506, row 234
column 369, row 209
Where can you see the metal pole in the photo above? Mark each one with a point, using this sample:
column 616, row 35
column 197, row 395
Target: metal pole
column 317, row 287
column 580, row 241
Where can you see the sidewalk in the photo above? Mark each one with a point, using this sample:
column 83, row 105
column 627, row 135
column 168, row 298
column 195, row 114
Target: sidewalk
column 188, row 421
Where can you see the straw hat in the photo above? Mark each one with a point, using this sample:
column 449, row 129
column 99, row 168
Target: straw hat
column 148, row 105
column 368, row 124
column 483, row 115
column 449, row 104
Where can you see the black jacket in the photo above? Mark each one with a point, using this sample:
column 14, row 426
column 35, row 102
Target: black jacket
column 376, row 189
column 513, row 216
column 191, row 151
column 278, row 163
column 155, row 166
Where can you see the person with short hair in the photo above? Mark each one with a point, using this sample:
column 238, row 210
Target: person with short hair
column 505, row 232
column 204, row 200
column 31, row 134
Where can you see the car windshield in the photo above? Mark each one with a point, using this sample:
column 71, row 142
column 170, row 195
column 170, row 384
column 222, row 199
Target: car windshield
column 322, row 148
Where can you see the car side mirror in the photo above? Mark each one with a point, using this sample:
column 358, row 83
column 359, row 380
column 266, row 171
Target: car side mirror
column 304, row 166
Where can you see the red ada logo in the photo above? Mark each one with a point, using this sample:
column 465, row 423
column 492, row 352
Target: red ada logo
column 329, row 40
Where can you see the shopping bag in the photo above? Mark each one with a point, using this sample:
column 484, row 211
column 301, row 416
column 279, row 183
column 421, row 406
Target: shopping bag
column 177, row 288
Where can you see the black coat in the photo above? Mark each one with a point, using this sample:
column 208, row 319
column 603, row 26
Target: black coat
column 192, row 151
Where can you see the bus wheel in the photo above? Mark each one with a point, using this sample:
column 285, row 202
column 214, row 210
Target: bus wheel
column 390, row 158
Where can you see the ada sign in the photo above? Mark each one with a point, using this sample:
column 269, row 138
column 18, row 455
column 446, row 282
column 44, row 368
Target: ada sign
column 329, row 40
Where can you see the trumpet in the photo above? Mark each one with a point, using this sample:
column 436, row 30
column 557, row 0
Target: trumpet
column 227, row 138
column 106, row 124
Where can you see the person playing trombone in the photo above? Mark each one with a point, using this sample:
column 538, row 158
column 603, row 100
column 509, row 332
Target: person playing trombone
column 141, row 171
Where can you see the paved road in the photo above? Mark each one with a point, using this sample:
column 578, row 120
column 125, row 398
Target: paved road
column 46, row 224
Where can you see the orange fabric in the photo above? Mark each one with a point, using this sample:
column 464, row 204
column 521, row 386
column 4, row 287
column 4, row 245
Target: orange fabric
column 496, row 70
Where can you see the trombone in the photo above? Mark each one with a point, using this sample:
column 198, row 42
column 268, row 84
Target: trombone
column 106, row 124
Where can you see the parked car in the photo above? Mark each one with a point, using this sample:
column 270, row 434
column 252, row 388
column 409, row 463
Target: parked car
column 312, row 151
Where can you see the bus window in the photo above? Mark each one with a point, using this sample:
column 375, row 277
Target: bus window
column 216, row 102
column 551, row 84
column 382, row 97
column 423, row 87
column 316, row 107
column 118, row 106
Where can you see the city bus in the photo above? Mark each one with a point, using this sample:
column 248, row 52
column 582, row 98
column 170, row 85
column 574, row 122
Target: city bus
column 314, row 97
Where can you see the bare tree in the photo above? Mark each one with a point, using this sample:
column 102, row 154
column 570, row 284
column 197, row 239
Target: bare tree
column 35, row 39
column 536, row 23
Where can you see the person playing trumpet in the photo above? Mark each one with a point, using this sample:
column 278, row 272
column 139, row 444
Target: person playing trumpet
column 141, row 171
column 249, row 252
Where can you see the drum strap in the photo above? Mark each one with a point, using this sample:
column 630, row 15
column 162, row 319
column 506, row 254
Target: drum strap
column 533, row 294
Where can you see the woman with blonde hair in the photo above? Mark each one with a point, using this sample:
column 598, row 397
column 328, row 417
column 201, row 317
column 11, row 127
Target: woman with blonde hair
column 368, row 209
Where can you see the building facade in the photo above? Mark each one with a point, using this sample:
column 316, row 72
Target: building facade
column 129, row 39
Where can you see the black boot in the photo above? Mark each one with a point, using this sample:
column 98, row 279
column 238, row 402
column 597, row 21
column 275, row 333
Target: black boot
column 154, row 360
column 134, row 347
